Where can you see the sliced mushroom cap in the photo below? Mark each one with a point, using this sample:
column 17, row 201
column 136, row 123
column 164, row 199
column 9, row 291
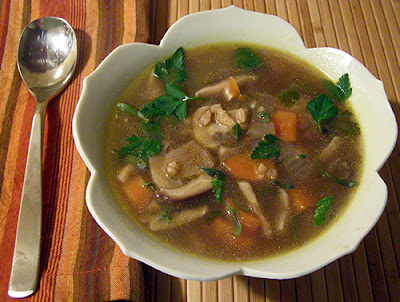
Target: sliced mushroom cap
column 220, row 90
column 285, row 211
column 178, row 219
column 249, row 194
column 194, row 187
column 172, row 169
column 213, row 126
column 332, row 160
column 297, row 166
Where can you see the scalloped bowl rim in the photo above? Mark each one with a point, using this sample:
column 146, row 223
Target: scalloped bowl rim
column 113, row 75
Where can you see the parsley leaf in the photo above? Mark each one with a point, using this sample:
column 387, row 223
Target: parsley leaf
column 217, row 186
column 160, row 106
column 264, row 115
column 343, row 182
column 321, row 108
column 149, row 185
column 233, row 213
column 130, row 110
column 175, row 102
column 323, row 206
column 341, row 91
column 175, row 92
column 343, row 124
column 142, row 147
column 246, row 59
column 268, row 148
column 217, row 183
column 165, row 216
column 173, row 68
column 288, row 97
column 127, row 109
column 238, row 131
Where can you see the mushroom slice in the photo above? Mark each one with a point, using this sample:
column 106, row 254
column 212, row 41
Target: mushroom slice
column 178, row 219
column 284, row 214
column 173, row 168
column 332, row 159
column 213, row 126
column 221, row 89
column 248, row 192
column 194, row 187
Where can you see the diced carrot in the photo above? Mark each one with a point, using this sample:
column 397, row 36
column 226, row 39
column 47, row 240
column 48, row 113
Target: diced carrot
column 222, row 231
column 250, row 222
column 234, row 90
column 285, row 125
column 243, row 167
column 137, row 193
column 300, row 199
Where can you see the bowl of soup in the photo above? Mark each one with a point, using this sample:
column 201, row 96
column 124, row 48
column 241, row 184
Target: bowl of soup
column 231, row 148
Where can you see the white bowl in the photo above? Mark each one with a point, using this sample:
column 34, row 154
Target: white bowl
column 108, row 81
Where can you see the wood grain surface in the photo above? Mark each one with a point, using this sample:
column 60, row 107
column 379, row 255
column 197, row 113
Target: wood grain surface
column 79, row 261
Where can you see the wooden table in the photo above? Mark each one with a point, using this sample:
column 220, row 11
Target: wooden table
column 79, row 262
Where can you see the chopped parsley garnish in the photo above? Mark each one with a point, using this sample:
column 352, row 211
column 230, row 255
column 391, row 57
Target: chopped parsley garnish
column 322, row 209
column 321, row 108
column 161, row 106
column 246, row 59
column 301, row 156
column 142, row 147
column 233, row 214
column 264, row 115
column 149, row 185
column 238, row 131
column 343, row 182
column 343, row 124
column 217, row 183
column 130, row 110
column 286, row 184
column 341, row 91
column 175, row 102
column 267, row 148
column 165, row 216
column 288, row 97
column 127, row 109
column 173, row 68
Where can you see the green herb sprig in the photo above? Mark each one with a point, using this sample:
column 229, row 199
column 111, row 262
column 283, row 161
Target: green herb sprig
column 340, row 91
column 246, row 59
column 344, row 182
column 233, row 214
column 238, row 131
column 267, row 148
column 217, row 183
column 288, row 97
column 321, row 108
column 322, row 209
column 172, row 69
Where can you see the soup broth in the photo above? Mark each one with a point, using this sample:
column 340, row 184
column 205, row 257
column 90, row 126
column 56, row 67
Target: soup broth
column 234, row 152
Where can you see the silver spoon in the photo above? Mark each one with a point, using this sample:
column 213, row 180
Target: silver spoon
column 47, row 55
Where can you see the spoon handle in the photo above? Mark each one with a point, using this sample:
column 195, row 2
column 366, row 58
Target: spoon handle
column 25, row 265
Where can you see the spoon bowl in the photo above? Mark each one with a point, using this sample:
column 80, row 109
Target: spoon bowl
column 47, row 56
